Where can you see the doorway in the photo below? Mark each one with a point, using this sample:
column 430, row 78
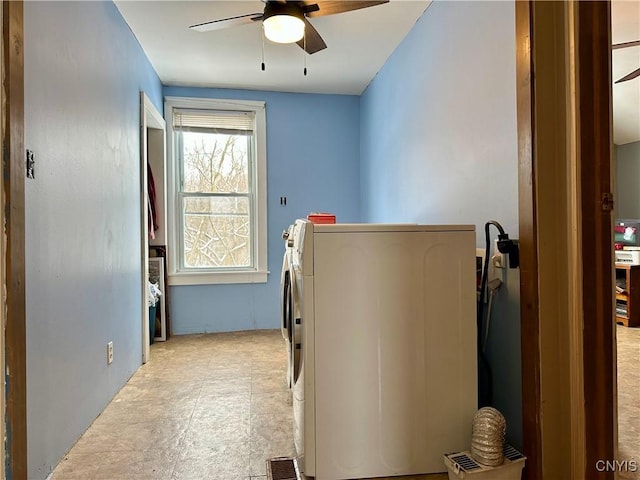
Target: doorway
column 564, row 127
column 625, row 59
column 152, row 159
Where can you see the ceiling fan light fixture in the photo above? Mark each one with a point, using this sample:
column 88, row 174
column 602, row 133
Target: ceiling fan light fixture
column 283, row 23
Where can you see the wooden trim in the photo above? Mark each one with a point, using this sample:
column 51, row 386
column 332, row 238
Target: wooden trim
column 529, row 315
column 586, row 135
column 595, row 147
column 551, row 166
column 3, row 277
column 575, row 293
column 574, row 240
column 13, row 182
column 528, row 250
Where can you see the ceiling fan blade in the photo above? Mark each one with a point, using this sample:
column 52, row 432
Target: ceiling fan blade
column 631, row 76
column 227, row 22
column 330, row 7
column 625, row 45
column 312, row 42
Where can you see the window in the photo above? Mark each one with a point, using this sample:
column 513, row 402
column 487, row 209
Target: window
column 217, row 191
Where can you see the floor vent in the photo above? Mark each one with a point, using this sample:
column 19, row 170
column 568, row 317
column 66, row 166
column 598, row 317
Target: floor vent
column 282, row 468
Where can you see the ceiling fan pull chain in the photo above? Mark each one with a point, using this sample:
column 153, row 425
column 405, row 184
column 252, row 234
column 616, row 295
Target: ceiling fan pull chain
column 304, row 51
column 262, row 35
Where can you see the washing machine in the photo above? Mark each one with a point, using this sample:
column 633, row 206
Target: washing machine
column 383, row 347
column 286, row 301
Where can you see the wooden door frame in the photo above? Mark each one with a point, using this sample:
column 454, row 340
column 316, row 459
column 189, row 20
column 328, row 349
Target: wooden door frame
column 14, row 208
column 3, row 252
column 529, row 300
column 564, row 149
column 596, row 146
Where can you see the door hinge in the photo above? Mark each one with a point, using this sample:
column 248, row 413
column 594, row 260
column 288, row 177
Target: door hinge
column 31, row 163
column 607, row 202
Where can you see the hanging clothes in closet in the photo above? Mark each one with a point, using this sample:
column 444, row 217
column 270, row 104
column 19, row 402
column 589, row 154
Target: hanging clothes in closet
column 151, row 203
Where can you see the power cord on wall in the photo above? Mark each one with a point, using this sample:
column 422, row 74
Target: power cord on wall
column 493, row 286
column 510, row 247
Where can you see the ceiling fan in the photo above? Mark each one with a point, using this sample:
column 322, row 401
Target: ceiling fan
column 285, row 21
column 636, row 72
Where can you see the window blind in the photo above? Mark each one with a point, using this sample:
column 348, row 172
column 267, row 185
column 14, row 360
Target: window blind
column 219, row 121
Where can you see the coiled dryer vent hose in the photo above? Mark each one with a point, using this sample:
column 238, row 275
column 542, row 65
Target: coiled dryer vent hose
column 487, row 437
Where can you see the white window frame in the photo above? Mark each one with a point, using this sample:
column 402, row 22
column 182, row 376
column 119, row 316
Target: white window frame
column 256, row 274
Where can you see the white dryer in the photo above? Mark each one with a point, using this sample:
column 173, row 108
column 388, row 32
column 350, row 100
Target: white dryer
column 286, row 301
column 285, row 283
column 383, row 347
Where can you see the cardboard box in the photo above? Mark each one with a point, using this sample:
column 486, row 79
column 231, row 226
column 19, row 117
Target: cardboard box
column 321, row 217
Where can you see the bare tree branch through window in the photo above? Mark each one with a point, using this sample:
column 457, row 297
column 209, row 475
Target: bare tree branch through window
column 216, row 198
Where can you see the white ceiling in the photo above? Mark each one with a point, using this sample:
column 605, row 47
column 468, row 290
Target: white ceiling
column 359, row 43
column 625, row 19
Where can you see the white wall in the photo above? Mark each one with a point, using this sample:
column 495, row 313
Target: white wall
column 627, row 186
column 439, row 145
column 83, row 73
column 438, row 133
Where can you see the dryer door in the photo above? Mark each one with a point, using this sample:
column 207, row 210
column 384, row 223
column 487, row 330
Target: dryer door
column 285, row 297
column 296, row 324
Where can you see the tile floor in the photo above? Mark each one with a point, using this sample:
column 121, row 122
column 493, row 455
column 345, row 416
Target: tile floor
column 216, row 407
column 628, row 397
column 209, row 407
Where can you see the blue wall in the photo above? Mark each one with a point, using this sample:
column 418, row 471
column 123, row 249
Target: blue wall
column 432, row 140
column 83, row 73
column 313, row 152
column 438, row 145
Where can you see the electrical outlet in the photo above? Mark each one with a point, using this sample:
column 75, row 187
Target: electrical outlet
column 109, row 353
column 499, row 260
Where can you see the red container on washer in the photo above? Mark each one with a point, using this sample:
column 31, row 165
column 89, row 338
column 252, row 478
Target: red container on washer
column 321, row 217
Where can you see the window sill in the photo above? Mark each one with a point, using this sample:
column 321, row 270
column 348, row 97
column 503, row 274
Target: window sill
column 206, row 278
